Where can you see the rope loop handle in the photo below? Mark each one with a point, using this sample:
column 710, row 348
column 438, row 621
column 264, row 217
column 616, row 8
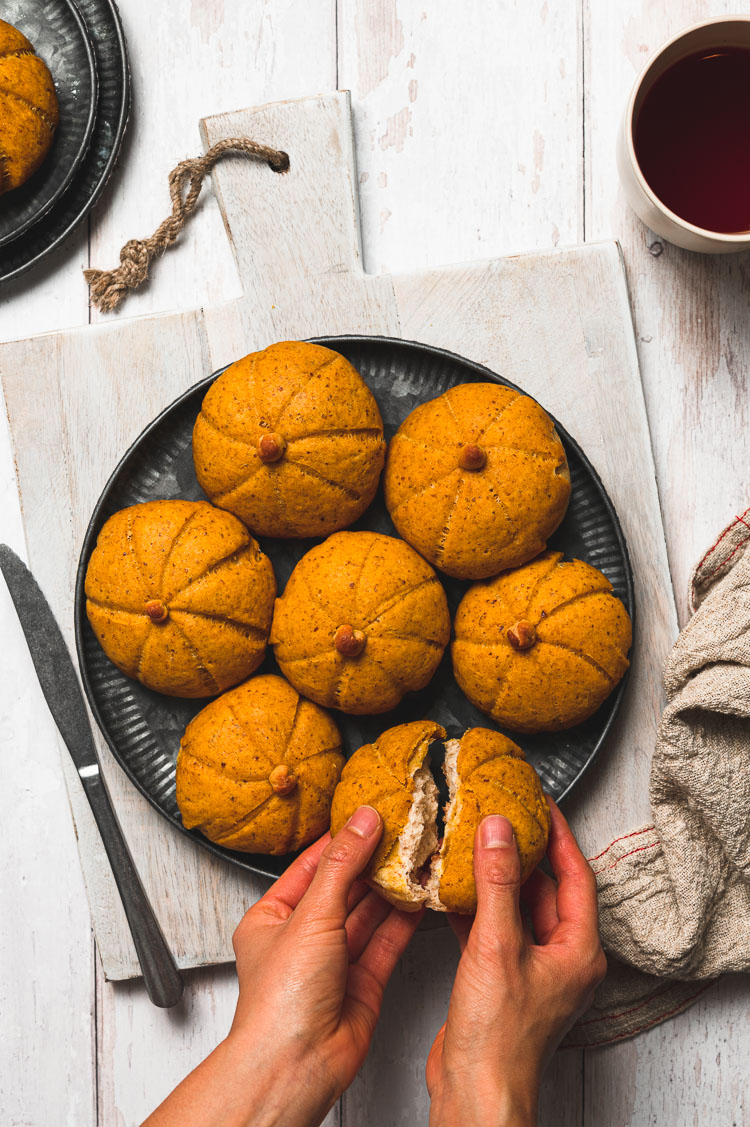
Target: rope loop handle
column 108, row 288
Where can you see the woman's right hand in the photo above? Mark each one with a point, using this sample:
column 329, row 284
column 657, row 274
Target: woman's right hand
column 515, row 994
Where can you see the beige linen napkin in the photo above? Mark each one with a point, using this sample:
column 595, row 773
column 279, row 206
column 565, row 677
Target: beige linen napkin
column 674, row 896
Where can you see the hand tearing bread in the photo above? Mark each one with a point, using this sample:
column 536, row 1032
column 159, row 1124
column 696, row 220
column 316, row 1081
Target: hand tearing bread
column 391, row 775
column 486, row 774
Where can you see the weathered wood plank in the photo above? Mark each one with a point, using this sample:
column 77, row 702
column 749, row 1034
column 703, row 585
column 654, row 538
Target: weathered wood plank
column 690, row 1071
column 689, row 309
column 297, row 248
column 690, row 313
column 216, row 55
column 145, row 1052
column 46, row 946
column 469, row 130
column 390, row 1088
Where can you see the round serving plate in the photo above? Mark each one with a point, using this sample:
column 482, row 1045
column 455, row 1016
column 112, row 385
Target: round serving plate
column 104, row 31
column 57, row 34
column 144, row 728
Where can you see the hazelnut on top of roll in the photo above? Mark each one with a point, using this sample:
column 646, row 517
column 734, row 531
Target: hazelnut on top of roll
column 180, row 597
column 362, row 621
column 540, row 648
column 257, row 767
column 477, row 479
column 290, row 440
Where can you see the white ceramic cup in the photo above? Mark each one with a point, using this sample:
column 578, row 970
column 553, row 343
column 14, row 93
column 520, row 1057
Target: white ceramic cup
column 727, row 31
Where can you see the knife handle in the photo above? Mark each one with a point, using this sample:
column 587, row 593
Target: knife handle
column 160, row 973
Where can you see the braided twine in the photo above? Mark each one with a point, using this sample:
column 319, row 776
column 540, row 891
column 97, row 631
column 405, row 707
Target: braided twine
column 109, row 287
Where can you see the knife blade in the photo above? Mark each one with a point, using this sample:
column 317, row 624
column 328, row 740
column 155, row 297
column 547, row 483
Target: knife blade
column 62, row 691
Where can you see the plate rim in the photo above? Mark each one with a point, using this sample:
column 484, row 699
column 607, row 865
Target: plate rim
column 89, row 540
column 83, row 147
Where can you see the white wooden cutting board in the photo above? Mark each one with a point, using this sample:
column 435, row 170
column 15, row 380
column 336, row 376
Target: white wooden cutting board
column 557, row 323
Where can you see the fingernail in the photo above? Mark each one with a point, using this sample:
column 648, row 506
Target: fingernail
column 364, row 821
column 496, row 832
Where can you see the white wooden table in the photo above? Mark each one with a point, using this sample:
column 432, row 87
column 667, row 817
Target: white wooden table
column 482, row 129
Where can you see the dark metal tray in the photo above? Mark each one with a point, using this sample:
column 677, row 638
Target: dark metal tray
column 58, row 35
column 144, row 728
column 104, row 30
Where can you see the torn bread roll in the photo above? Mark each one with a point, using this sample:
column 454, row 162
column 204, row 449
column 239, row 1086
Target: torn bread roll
column 486, row 774
column 392, row 775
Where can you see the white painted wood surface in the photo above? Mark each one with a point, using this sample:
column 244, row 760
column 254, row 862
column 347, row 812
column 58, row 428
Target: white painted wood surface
column 223, row 55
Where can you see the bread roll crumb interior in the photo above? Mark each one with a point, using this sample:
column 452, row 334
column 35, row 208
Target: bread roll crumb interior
column 418, row 839
column 452, row 814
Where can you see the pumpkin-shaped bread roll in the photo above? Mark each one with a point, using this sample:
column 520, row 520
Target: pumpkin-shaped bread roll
column 539, row 649
column 393, row 776
column 487, row 774
column 257, row 768
column 363, row 620
column 477, row 480
column 28, row 109
column 291, row 441
column 180, row 597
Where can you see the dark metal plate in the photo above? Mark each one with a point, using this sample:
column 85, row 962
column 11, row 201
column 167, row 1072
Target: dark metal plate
column 144, row 728
column 104, row 30
column 58, row 35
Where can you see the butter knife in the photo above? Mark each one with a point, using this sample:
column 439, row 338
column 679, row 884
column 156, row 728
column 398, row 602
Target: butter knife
column 62, row 691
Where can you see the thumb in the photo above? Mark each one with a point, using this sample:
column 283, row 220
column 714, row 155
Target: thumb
column 341, row 862
column 497, row 872
column 433, row 1068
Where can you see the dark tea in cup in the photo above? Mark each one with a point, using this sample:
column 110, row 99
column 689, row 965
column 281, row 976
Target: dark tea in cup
column 683, row 150
column 691, row 136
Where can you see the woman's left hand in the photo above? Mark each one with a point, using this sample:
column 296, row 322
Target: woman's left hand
column 313, row 959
